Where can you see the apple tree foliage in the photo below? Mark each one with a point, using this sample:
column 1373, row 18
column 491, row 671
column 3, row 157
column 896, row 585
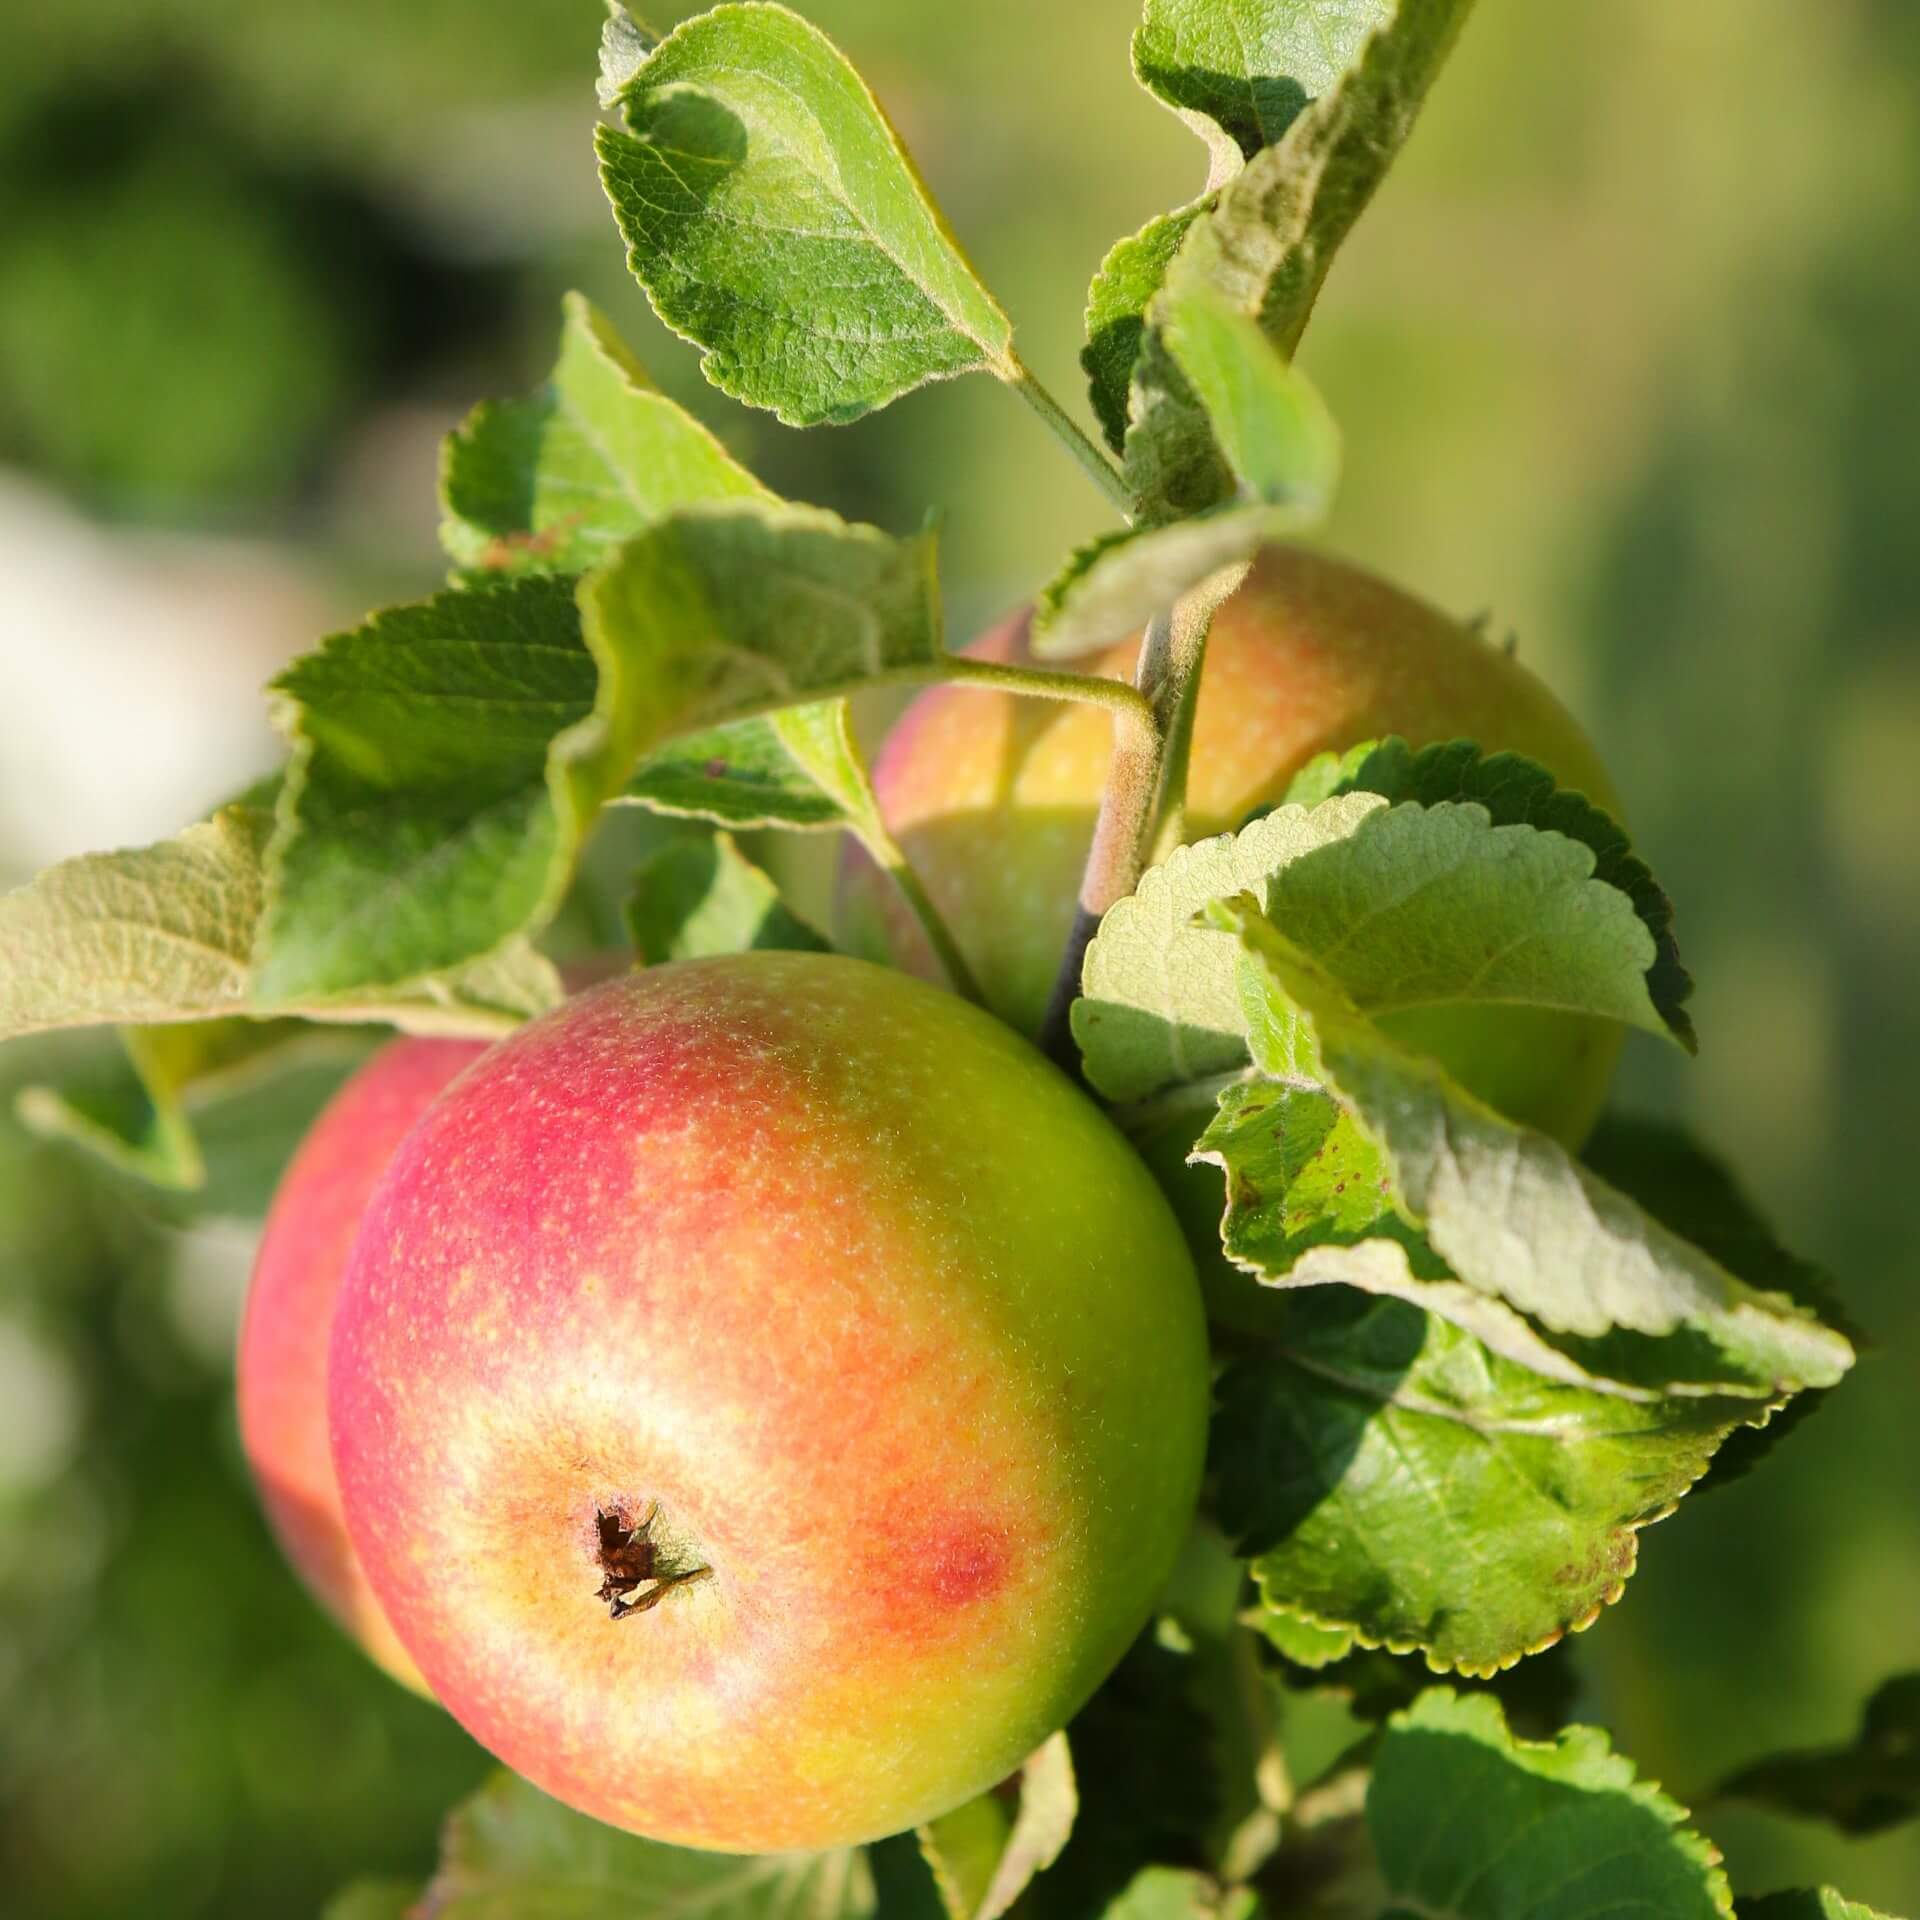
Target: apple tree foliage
column 1487, row 1364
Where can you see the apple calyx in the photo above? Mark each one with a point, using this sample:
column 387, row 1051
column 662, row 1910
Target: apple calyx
column 629, row 1558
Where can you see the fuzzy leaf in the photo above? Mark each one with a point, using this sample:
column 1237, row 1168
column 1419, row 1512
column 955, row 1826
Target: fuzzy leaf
column 1117, row 302
column 1270, row 424
column 416, row 829
column 1515, row 791
column 1269, row 240
column 1410, row 907
column 775, row 220
column 983, row 1860
column 1239, row 72
column 450, row 757
column 704, row 897
column 1111, row 587
column 1866, row 1786
column 1393, row 1478
column 801, row 769
column 166, row 933
column 554, row 482
column 1472, row 1823
column 512, row 1851
column 1161, row 1001
column 1515, row 1217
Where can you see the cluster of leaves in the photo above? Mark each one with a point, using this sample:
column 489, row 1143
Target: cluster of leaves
column 1482, row 1365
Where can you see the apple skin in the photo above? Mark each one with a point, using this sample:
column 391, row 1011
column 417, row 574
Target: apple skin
column 281, row 1367
column 993, row 797
column 882, row 1313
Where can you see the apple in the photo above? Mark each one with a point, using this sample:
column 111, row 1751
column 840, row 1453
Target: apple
column 993, row 798
column 281, row 1369
column 766, row 1397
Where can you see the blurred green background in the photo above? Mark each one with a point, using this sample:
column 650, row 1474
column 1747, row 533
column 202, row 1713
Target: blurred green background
column 1625, row 354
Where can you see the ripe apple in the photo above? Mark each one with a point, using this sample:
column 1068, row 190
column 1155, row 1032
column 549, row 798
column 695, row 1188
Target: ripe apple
column 766, row 1397
column 993, row 798
column 282, row 1364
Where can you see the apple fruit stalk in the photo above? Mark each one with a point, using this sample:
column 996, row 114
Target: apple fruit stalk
column 822, row 1295
column 993, row 799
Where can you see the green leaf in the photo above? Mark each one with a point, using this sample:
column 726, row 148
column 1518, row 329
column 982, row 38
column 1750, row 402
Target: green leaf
column 1117, row 302
column 983, row 1861
column 176, row 1068
column 416, row 830
column 776, row 221
column 1268, row 244
column 801, row 769
column 1471, row 1823
column 1515, row 1217
column 1161, row 999
column 1395, row 1480
column 1515, row 791
column 1269, row 240
column 1305, row 1642
column 510, row 1853
column 554, row 482
column 1111, row 587
column 1823, row 1904
column 167, row 933
column 451, row 756
column 1172, row 1893
column 1866, row 1786
column 625, row 46
column 1410, row 907
column 705, row 896
column 721, row 613
column 736, row 776
column 1239, row 72
column 1270, row 424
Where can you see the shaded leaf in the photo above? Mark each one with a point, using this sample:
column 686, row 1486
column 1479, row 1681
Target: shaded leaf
column 176, row 1068
column 1470, row 1822
column 1268, row 244
column 700, row 897
column 1113, row 585
column 1269, row 240
column 1811, row 1904
column 1393, row 1478
column 510, row 1853
column 554, row 482
column 984, row 1858
column 1239, row 72
column 1117, row 302
column 1514, row 1216
column 1870, row 1784
column 775, row 221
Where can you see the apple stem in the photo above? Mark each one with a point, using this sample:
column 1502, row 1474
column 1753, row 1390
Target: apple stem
column 1104, row 474
column 888, row 855
column 1146, row 791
